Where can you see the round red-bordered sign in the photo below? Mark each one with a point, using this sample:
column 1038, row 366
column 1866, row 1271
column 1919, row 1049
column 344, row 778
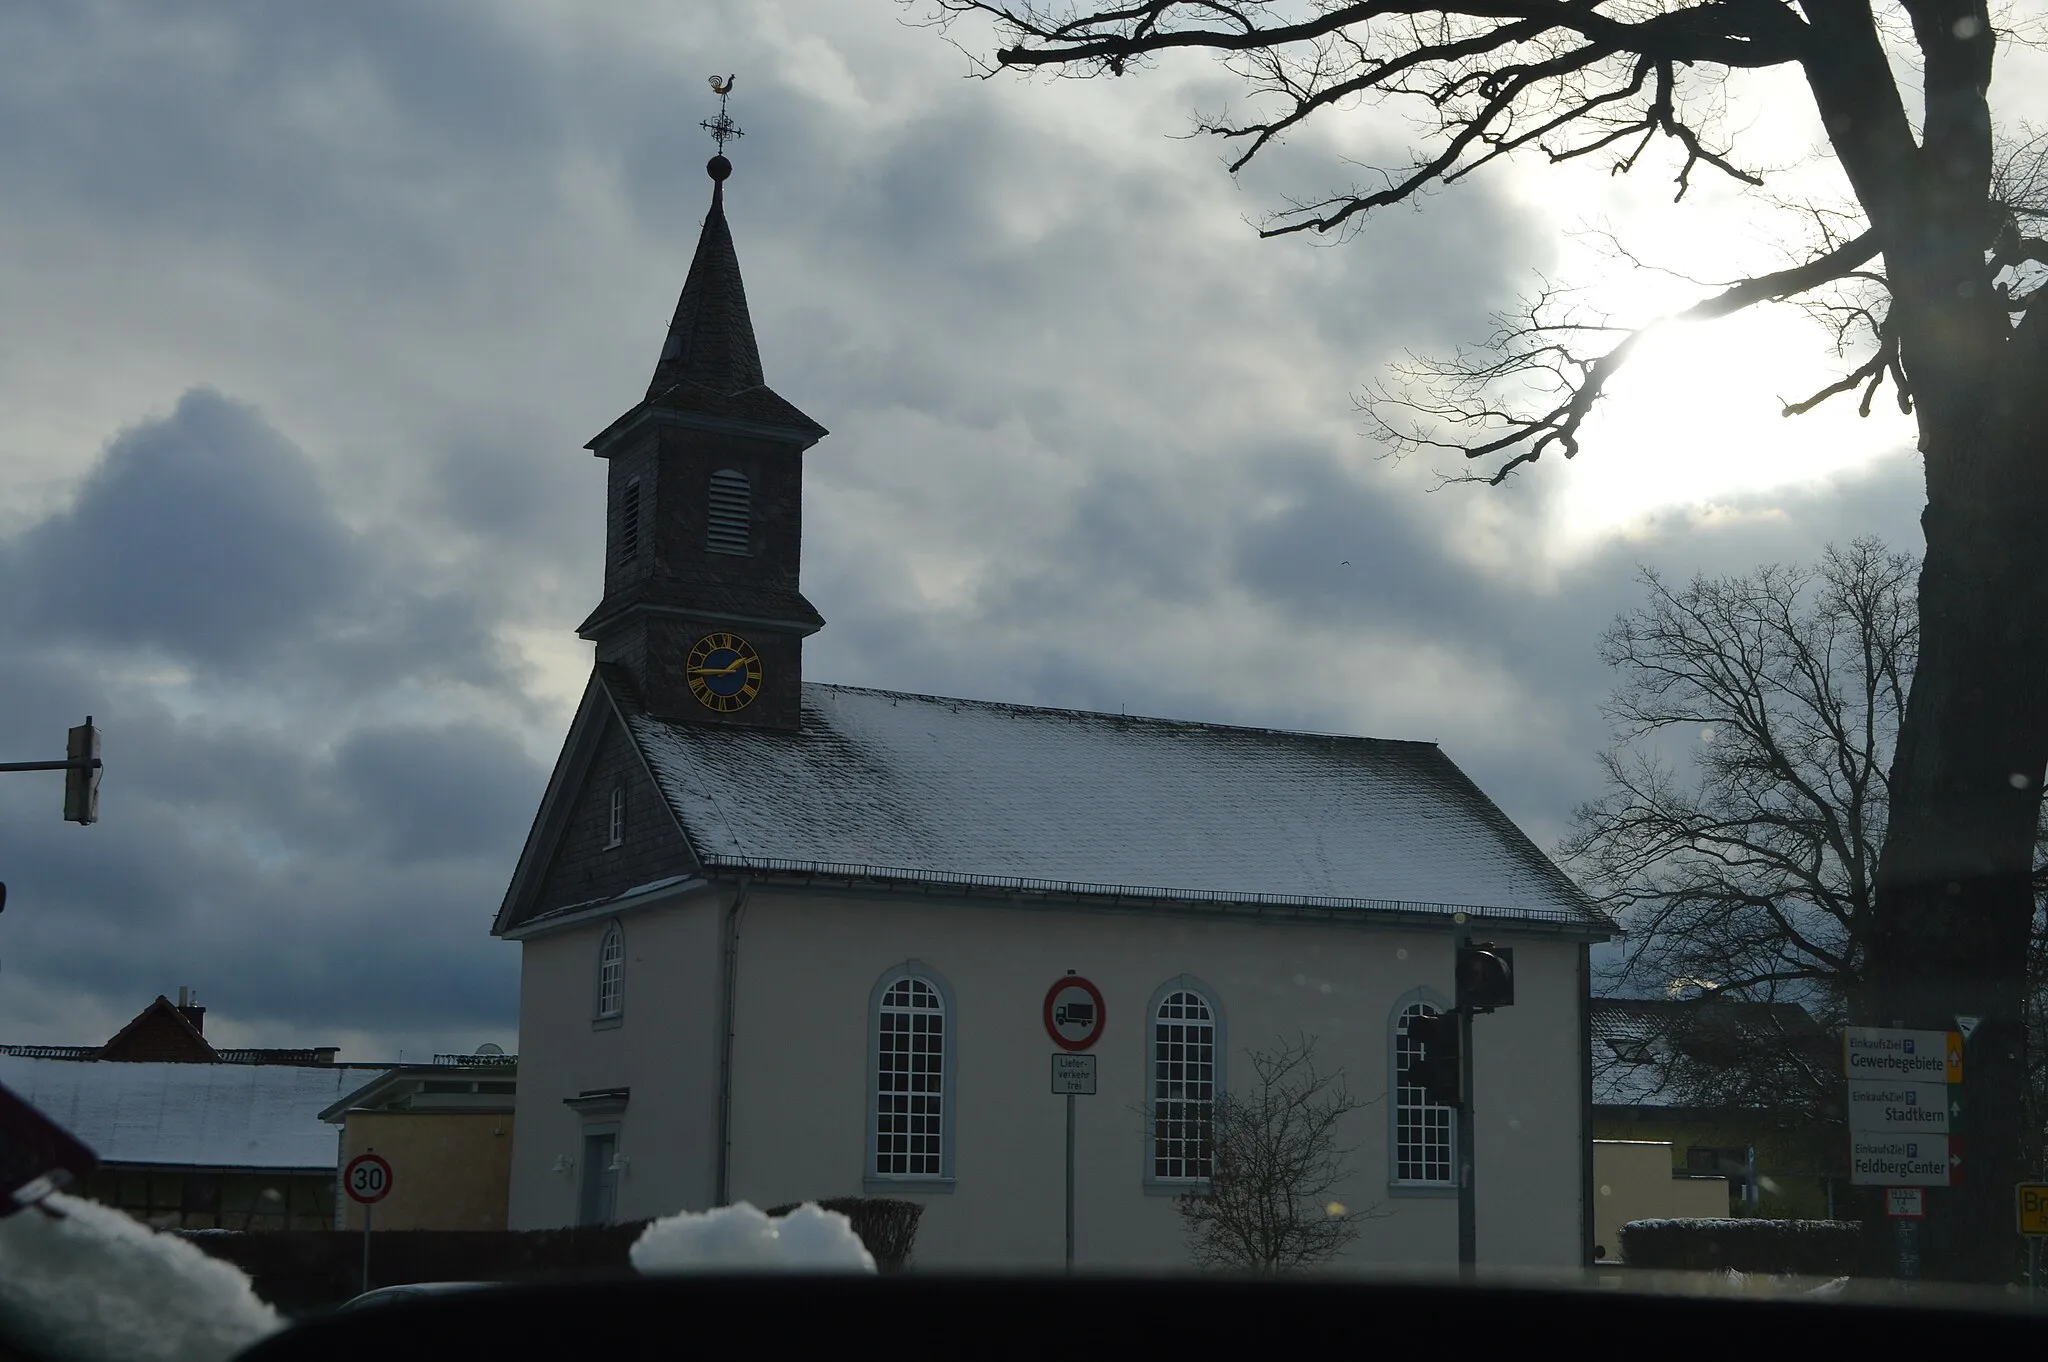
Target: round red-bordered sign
column 367, row 1178
column 1074, row 1013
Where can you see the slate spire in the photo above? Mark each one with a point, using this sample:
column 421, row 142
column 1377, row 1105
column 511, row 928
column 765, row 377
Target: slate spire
column 711, row 338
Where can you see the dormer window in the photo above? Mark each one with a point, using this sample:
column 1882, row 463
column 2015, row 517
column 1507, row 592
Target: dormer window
column 629, row 522
column 729, row 527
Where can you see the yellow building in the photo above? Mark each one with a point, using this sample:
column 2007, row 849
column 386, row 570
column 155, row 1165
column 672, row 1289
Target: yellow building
column 445, row 1129
column 1635, row 1180
column 1739, row 1091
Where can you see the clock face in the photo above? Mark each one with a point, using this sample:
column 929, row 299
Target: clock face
column 724, row 672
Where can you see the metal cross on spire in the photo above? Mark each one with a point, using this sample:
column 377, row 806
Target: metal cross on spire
column 721, row 128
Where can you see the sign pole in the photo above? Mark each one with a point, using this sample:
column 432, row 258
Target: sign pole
column 2033, row 1267
column 1468, row 1193
column 1070, row 1182
column 1074, row 1015
column 367, row 1180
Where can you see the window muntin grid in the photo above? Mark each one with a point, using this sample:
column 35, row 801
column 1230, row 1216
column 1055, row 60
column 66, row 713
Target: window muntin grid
column 1183, row 1086
column 910, row 1094
column 616, row 835
column 1423, row 1133
column 611, row 974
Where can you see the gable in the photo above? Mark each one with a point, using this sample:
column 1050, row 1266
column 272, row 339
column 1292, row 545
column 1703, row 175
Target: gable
column 569, row 859
column 159, row 1033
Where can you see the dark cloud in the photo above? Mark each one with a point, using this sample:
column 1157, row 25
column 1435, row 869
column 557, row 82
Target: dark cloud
column 302, row 859
column 461, row 790
column 205, row 535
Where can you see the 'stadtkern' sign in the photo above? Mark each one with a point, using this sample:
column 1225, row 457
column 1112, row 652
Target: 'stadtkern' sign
column 1897, row 1108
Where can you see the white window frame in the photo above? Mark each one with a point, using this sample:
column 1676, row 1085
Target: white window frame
column 615, row 835
column 1167, row 1184
column 937, row 1174
column 609, row 1007
column 1410, row 1113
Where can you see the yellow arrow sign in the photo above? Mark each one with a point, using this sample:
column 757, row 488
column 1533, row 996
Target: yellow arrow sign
column 1955, row 1056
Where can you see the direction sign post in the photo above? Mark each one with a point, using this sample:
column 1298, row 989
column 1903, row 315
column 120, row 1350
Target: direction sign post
column 1074, row 1014
column 1905, row 1109
column 2030, row 1204
column 367, row 1180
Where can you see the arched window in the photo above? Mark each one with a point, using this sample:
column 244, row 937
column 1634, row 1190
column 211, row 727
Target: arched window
column 910, row 1088
column 729, row 524
column 1425, row 1134
column 611, row 973
column 616, row 825
column 1184, row 1076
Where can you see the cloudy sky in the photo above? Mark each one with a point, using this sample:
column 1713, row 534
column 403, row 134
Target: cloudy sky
column 306, row 312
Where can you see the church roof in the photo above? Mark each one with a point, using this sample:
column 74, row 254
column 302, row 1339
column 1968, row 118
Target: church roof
column 710, row 364
column 920, row 789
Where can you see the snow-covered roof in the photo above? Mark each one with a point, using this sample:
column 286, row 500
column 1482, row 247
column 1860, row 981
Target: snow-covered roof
column 918, row 788
column 1653, row 1052
column 195, row 1115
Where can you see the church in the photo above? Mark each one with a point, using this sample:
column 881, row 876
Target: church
column 787, row 940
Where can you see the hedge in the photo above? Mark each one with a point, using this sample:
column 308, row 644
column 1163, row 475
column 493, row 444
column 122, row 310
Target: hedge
column 302, row 1270
column 887, row 1227
column 1818, row 1248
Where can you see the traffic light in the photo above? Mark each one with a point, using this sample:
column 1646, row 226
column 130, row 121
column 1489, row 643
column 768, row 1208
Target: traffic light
column 1485, row 975
column 82, row 781
column 1435, row 1068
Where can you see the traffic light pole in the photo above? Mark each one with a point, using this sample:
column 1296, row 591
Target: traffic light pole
column 1468, row 1194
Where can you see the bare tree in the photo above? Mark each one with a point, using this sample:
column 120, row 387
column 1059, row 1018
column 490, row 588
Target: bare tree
column 1748, row 866
column 1757, row 868
column 1936, row 274
column 1275, row 1161
column 1746, row 798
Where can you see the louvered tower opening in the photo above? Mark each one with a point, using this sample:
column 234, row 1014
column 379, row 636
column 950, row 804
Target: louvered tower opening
column 730, row 525
column 629, row 522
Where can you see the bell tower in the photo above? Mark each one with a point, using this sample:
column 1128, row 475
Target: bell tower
column 704, row 509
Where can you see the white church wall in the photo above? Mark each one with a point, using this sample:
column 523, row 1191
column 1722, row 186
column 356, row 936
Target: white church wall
column 809, row 965
column 662, row 1047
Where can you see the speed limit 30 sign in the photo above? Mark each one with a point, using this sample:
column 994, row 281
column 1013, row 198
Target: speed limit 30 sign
column 367, row 1178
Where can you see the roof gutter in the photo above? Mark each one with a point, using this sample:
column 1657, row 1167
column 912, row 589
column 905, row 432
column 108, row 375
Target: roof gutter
column 728, row 1006
column 1389, row 913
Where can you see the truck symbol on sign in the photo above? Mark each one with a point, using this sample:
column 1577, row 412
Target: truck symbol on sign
column 1074, row 1014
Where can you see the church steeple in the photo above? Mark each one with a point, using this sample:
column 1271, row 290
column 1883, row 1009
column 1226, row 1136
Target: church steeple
column 701, row 609
column 711, row 338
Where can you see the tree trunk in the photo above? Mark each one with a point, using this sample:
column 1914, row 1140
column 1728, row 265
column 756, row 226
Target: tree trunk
column 1955, row 900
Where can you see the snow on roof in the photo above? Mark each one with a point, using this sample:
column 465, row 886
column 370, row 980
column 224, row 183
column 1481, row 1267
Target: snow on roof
column 196, row 1115
column 962, row 791
column 1654, row 1052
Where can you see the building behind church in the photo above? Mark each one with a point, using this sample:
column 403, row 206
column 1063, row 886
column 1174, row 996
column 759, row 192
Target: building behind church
column 785, row 940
